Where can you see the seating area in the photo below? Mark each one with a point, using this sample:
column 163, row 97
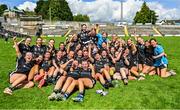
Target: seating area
column 11, row 33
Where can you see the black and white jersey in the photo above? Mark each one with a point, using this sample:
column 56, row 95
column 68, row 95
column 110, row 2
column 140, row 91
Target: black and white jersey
column 84, row 38
column 86, row 73
column 46, row 64
column 75, row 73
column 23, row 67
column 38, row 50
column 24, row 48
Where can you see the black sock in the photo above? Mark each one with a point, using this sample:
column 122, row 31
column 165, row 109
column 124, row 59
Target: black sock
column 12, row 88
column 56, row 91
column 105, row 86
column 81, row 94
column 62, row 92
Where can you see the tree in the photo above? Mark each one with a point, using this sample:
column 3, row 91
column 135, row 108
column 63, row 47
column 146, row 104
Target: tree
column 42, row 8
column 81, row 17
column 57, row 9
column 3, row 7
column 145, row 15
column 60, row 10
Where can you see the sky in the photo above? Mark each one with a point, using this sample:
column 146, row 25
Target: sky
column 109, row 10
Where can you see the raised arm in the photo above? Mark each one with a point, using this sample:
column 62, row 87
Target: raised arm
column 89, row 52
column 18, row 53
column 63, row 66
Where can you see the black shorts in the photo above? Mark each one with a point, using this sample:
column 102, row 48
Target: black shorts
column 149, row 62
column 98, row 70
column 74, row 77
column 133, row 63
column 19, row 72
column 141, row 61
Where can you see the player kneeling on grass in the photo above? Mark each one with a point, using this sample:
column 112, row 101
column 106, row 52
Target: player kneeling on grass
column 161, row 62
column 18, row 78
column 101, row 72
column 122, row 61
column 46, row 70
column 86, row 80
column 58, row 61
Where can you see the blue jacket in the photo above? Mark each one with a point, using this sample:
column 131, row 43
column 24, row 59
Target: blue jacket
column 101, row 39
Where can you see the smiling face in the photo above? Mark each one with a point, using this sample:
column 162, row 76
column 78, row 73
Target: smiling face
column 51, row 42
column 47, row 55
column 39, row 41
column 59, row 54
column 28, row 41
column 112, row 50
column 85, row 54
column 147, row 44
column 97, row 56
column 104, row 34
column 61, row 46
column 104, row 54
column 75, row 64
column 153, row 43
column 28, row 57
column 104, row 45
column 85, row 64
column 80, row 53
column 71, row 54
column 129, row 42
column 140, row 40
column 84, row 27
column 75, row 38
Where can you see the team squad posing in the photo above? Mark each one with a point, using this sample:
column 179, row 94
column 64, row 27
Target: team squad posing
column 82, row 60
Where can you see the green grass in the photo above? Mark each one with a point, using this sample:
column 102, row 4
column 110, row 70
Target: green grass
column 153, row 93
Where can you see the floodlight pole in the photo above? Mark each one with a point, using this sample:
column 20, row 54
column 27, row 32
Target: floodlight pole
column 50, row 14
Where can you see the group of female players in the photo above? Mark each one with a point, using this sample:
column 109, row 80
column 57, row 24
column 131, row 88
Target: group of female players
column 84, row 59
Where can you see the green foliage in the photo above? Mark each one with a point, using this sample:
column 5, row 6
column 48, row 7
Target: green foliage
column 60, row 10
column 3, row 7
column 42, row 8
column 145, row 15
column 152, row 93
column 81, row 17
column 56, row 9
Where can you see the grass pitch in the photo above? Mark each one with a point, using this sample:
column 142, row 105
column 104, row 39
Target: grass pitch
column 153, row 93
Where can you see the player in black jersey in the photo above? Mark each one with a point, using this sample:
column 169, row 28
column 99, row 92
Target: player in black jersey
column 148, row 66
column 83, row 35
column 122, row 61
column 92, row 35
column 86, row 80
column 58, row 60
column 62, row 48
column 101, row 73
column 70, row 83
column 24, row 47
column 50, row 47
column 38, row 49
column 73, row 44
column 79, row 56
column 140, row 53
column 18, row 78
column 46, row 70
column 134, row 59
